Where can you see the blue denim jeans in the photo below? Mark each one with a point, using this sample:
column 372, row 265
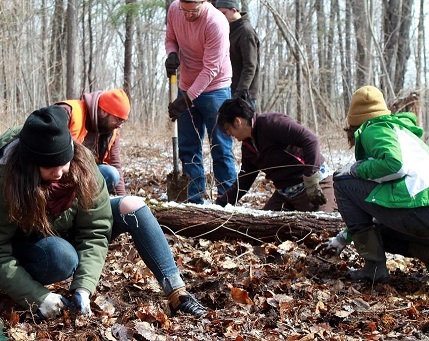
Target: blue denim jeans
column 111, row 175
column 150, row 243
column 191, row 130
column 360, row 215
column 40, row 256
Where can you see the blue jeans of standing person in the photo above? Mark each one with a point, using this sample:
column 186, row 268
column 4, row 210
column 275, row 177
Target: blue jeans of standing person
column 53, row 259
column 360, row 215
column 111, row 175
column 191, row 130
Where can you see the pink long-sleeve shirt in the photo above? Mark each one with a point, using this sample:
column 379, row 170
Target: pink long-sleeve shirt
column 203, row 49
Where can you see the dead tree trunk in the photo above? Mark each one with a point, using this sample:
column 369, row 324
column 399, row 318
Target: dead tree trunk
column 250, row 225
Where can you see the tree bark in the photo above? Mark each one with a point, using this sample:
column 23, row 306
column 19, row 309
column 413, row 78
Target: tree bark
column 250, row 225
column 71, row 28
column 128, row 46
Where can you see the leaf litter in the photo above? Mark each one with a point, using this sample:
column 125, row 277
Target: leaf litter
column 269, row 291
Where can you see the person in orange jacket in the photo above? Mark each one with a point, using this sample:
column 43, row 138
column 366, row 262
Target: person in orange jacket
column 95, row 121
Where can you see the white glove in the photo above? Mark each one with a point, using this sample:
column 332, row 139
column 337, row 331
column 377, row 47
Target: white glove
column 52, row 306
column 81, row 301
column 313, row 190
column 337, row 243
column 348, row 171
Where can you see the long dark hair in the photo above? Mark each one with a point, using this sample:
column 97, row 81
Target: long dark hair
column 26, row 198
column 350, row 133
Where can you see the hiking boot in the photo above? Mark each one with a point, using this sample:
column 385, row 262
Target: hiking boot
column 189, row 305
column 369, row 246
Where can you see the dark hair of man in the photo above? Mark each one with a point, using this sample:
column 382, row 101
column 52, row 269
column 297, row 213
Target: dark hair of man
column 26, row 199
column 232, row 108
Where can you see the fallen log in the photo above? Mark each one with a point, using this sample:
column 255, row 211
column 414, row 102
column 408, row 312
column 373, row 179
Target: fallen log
column 214, row 223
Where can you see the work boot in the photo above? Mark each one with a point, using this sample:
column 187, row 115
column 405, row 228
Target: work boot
column 369, row 246
column 189, row 305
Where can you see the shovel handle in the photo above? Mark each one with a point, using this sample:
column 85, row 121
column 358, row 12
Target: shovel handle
column 172, row 91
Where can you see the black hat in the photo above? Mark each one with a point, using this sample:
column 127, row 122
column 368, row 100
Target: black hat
column 45, row 139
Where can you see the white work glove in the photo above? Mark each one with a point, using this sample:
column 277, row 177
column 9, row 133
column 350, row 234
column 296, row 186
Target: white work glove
column 347, row 172
column 337, row 243
column 81, row 301
column 52, row 306
column 313, row 190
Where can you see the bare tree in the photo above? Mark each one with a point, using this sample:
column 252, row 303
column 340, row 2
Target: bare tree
column 56, row 51
column 71, row 28
column 128, row 45
column 396, row 24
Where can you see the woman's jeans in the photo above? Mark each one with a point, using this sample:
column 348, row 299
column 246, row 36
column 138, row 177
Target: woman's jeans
column 360, row 215
column 191, row 131
column 53, row 259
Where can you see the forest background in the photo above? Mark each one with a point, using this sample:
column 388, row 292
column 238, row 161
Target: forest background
column 314, row 54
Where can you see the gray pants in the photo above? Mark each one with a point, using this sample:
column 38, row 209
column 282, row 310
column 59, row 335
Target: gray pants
column 411, row 224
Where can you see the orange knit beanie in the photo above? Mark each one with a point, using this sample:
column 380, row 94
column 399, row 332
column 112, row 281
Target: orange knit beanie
column 115, row 102
column 367, row 102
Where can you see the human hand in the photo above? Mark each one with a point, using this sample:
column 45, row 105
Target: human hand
column 52, row 306
column 347, row 172
column 313, row 190
column 178, row 106
column 243, row 94
column 81, row 301
column 172, row 63
column 337, row 243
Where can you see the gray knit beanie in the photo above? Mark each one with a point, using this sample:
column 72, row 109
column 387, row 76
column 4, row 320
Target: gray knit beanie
column 228, row 4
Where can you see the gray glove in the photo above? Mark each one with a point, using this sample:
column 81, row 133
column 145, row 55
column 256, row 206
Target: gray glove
column 337, row 243
column 52, row 306
column 348, row 171
column 314, row 192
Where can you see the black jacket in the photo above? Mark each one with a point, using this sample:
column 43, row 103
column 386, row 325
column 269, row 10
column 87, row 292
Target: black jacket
column 244, row 52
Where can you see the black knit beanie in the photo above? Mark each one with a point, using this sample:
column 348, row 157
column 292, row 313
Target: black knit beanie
column 45, row 139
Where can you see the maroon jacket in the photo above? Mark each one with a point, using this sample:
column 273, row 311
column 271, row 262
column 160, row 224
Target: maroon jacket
column 280, row 147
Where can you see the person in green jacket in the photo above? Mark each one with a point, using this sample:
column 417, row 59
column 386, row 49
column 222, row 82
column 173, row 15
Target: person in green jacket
column 57, row 218
column 383, row 197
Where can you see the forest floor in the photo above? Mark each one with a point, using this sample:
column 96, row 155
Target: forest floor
column 260, row 291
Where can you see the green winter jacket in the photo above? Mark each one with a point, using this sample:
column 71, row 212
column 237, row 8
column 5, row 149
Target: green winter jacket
column 91, row 230
column 393, row 154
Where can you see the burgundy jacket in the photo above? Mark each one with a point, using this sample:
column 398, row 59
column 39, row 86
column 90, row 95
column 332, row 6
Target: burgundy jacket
column 280, row 147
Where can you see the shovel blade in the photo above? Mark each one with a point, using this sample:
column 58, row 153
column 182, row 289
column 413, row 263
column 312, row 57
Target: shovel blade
column 177, row 187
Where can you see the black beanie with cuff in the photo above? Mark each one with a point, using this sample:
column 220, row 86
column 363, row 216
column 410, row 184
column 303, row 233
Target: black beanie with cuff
column 45, row 139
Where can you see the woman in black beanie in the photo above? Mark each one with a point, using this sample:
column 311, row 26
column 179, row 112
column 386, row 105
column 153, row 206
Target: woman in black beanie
column 56, row 220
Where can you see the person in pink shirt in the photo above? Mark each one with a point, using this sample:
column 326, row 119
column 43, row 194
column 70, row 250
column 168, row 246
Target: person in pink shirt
column 197, row 43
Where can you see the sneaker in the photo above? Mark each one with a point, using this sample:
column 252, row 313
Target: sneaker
column 189, row 305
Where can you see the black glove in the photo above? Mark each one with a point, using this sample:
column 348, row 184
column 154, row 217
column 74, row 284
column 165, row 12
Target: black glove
column 179, row 106
column 221, row 201
column 172, row 63
column 243, row 94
